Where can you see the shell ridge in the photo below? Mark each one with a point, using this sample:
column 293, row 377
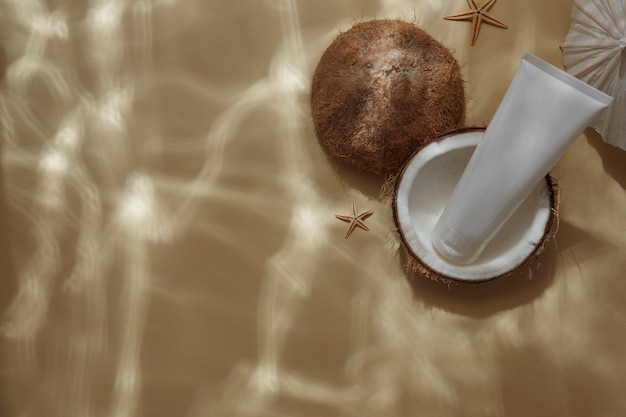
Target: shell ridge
column 594, row 18
column 594, row 50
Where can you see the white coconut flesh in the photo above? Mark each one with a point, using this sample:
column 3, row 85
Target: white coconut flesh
column 424, row 188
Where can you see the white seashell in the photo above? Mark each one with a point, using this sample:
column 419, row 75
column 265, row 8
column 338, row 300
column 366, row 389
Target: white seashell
column 595, row 52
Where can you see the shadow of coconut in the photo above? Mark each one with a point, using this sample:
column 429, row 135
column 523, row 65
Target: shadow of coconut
column 613, row 158
column 521, row 287
column 370, row 185
column 486, row 298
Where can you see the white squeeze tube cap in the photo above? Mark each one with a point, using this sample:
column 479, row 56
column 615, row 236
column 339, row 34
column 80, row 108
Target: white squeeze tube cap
column 454, row 246
column 542, row 113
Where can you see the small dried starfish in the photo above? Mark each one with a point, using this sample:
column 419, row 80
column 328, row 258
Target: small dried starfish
column 478, row 15
column 356, row 220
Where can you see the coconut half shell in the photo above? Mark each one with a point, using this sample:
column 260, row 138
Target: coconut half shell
column 424, row 186
column 382, row 90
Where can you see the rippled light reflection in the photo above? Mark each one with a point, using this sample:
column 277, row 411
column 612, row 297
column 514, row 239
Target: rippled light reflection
column 105, row 196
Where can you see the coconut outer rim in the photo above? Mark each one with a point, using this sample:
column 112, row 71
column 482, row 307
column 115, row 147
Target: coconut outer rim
column 415, row 264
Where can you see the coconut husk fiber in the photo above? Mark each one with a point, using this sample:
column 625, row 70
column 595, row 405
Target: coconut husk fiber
column 382, row 90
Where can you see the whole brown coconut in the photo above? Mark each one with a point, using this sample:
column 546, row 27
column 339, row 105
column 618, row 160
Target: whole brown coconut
column 382, row 90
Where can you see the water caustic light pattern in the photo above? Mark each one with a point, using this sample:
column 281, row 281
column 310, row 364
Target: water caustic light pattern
column 170, row 247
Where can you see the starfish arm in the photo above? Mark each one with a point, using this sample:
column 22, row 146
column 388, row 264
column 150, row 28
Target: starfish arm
column 344, row 218
column 462, row 16
column 351, row 228
column 472, row 4
column 484, row 7
column 476, row 28
column 359, row 222
column 493, row 21
column 356, row 220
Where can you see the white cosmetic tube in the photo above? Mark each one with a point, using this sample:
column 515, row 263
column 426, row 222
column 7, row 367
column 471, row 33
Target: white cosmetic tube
column 542, row 113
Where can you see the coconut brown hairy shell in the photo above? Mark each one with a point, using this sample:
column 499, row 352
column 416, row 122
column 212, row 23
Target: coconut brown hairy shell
column 382, row 90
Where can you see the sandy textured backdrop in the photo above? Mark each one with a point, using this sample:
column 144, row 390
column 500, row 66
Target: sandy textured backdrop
column 169, row 246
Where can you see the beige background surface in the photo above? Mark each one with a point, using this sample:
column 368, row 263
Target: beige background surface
column 169, row 246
